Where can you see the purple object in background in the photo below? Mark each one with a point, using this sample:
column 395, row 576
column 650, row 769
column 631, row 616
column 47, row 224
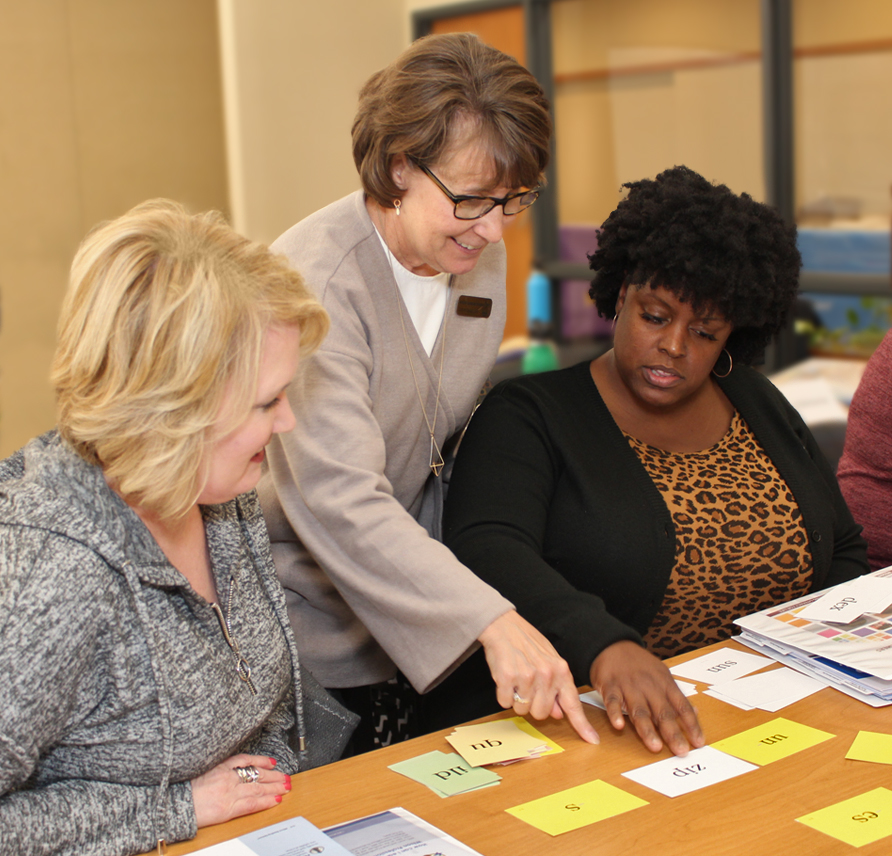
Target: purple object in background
column 579, row 318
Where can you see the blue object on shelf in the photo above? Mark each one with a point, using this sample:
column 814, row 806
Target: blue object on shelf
column 538, row 299
column 845, row 250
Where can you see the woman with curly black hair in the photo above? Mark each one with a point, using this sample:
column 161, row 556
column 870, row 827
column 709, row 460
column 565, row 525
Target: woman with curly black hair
column 634, row 506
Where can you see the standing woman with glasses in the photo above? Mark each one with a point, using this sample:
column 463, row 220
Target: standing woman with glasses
column 451, row 141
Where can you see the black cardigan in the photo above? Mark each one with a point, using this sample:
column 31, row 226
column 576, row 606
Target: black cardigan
column 550, row 505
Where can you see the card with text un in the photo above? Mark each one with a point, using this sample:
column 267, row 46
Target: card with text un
column 772, row 741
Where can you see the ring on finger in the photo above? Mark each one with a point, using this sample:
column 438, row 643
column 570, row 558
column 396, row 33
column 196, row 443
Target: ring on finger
column 518, row 699
column 247, row 775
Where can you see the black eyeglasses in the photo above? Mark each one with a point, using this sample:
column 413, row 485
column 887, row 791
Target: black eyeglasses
column 475, row 207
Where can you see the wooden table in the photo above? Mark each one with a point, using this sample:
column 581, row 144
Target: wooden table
column 751, row 814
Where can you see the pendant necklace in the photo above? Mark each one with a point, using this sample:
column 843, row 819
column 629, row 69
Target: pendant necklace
column 436, row 462
column 242, row 667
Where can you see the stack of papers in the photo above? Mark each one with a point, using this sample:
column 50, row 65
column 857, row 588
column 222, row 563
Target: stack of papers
column 446, row 775
column 503, row 741
column 769, row 691
column 729, row 673
column 841, row 636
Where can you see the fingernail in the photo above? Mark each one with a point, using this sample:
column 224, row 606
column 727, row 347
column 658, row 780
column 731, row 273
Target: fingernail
column 272, row 761
column 279, row 799
column 287, row 783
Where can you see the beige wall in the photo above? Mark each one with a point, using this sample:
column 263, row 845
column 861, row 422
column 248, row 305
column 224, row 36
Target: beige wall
column 103, row 103
column 617, row 128
column 292, row 73
column 843, row 104
column 614, row 128
column 106, row 102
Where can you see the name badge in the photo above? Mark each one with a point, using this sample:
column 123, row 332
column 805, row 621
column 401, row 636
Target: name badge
column 474, row 307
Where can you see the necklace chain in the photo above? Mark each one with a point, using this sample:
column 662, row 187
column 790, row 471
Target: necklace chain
column 436, row 462
column 242, row 667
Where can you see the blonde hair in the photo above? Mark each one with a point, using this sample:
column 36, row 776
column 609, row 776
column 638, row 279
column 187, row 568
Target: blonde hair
column 165, row 314
column 440, row 84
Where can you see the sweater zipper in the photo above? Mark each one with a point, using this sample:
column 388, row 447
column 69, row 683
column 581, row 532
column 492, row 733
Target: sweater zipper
column 242, row 668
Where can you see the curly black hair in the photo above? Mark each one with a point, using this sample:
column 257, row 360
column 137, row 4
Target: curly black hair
column 709, row 247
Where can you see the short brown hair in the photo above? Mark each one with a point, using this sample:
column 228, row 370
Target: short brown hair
column 166, row 313
column 413, row 107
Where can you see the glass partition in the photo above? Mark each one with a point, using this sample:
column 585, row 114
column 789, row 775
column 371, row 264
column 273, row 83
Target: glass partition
column 640, row 86
column 843, row 169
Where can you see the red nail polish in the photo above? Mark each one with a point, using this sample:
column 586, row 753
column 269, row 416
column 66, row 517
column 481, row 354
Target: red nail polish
column 278, row 799
column 272, row 761
column 287, row 783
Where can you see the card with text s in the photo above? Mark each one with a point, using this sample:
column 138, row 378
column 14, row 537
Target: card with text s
column 576, row 807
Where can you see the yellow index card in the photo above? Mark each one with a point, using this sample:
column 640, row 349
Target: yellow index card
column 576, row 807
column 772, row 741
column 871, row 746
column 493, row 742
column 525, row 726
column 856, row 821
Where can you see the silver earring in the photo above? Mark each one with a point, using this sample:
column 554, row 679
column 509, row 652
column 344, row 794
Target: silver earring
column 730, row 365
column 397, row 204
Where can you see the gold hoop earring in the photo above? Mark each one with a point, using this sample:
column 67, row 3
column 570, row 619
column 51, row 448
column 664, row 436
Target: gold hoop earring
column 397, row 204
column 730, row 364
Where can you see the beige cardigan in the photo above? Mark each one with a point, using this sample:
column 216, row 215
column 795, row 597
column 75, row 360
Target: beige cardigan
column 368, row 588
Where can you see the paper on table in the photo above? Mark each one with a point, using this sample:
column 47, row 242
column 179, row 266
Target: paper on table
column 294, row 837
column 847, row 603
column 396, row 831
column 593, row 697
column 815, row 400
column 576, row 807
column 769, row 691
column 772, row 741
column 446, row 775
column 726, row 664
column 495, row 742
column 871, row 746
column 857, row 821
column 698, row 769
column 714, row 692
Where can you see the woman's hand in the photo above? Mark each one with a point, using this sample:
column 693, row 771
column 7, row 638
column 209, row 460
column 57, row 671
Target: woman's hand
column 632, row 679
column 220, row 795
column 530, row 675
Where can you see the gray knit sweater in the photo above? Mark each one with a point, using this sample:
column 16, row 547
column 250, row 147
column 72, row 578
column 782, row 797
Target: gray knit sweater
column 118, row 686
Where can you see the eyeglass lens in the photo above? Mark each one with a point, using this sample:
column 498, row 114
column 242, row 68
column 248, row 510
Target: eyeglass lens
column 472, row 209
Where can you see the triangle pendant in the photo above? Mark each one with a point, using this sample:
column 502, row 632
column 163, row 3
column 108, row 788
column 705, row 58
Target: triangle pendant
column 436, row 460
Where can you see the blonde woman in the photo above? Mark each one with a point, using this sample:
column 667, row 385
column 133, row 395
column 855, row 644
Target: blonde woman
column 151, row 682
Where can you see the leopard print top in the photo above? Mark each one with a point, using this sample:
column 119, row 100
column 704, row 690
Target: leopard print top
column 740, row 542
